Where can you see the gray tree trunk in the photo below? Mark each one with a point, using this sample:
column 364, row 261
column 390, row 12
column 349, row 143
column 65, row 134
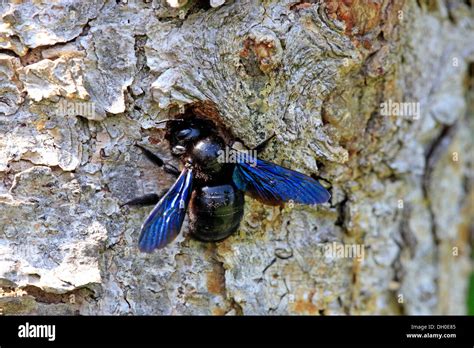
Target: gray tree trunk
column 82, row 81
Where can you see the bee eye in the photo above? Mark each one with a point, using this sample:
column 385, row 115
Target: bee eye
column 187, row 134
column 183, row 134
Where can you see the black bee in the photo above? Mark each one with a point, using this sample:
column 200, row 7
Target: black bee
column 214, row 189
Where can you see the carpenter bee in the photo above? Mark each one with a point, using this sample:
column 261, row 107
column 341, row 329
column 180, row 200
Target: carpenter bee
column 212, row 189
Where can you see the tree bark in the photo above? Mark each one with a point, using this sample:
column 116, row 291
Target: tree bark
column 81, row 82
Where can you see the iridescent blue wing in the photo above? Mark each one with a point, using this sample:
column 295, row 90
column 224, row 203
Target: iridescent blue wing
column 164, row 222
column 273, row 185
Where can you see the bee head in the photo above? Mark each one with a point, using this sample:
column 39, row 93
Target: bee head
column 183, row 133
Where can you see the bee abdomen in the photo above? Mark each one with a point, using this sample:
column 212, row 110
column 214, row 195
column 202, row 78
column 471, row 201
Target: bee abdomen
column 216, row 211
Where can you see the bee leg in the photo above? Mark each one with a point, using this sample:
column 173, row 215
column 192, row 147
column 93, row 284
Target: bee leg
column 149, row 199
column 261, row 147
column 169, row 168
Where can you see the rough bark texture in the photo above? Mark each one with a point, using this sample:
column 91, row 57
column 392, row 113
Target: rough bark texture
column 316, row 73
